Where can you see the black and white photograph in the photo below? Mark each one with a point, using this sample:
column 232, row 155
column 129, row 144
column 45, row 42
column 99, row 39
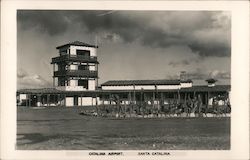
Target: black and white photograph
column 108, row 81
column 123, row 80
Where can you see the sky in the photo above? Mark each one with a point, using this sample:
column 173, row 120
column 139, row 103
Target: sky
column 133, row 45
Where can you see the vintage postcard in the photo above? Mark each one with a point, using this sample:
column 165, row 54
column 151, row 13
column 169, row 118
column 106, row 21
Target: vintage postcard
column 119, row 79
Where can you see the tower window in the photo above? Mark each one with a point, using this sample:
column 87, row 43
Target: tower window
column 84, row 83
column 63, row 52
column 61, row 82
column 83, row 52
column 82, row 67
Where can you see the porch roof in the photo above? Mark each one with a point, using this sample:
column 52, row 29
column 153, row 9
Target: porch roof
column 217, row 88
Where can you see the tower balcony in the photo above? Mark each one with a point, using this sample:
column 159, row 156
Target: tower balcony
column 76, row 73
column 74, row 58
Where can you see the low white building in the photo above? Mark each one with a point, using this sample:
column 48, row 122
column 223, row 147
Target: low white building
column 146, row 84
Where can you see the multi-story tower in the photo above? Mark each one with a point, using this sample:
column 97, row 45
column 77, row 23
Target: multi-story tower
column 76, row 67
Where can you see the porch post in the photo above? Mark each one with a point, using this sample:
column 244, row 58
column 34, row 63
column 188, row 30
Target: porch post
column 59, row 98
column 134, row 95
column 141, row 98
column 43, row 100
column 129, row 100
column 92, row 103
column 81, row 100
column 30, row 100
column 162, row 98
column 96, row 104
column 153, row 105
column 27, row 99
column 48, row 99
column 38, row 100
column 64, row 99
column 109, row 99
column 185, row 95
column 179, row 97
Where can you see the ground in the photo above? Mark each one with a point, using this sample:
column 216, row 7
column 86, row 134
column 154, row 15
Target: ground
column 60, row 128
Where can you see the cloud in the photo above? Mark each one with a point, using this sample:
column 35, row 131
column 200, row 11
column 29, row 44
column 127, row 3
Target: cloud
column 25, row 80
column 197, row 74
column 184, row 62
column 220, row 74
column 206, row 33
column 21, row 74
column 109, row 37
column 179, row 63
column 50, row 22
column 200, row 74
column 209, row 42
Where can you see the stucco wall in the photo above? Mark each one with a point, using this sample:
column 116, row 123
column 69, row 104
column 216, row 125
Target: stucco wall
column 168, row 87
column 117, row 87
column 86, row 101
column 186, row 85
column 73, row 82
column 71, row 88
column 91, row 85
column 74, row 48
column 144, row 87
column 138, row 87
column 69, row 101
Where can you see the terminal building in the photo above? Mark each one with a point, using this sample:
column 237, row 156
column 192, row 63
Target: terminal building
column 75, row 83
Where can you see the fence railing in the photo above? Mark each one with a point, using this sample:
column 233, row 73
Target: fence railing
column 76, row 73
column 92, row 59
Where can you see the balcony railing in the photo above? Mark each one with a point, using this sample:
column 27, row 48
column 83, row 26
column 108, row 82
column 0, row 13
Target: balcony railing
column 75, row 58
column 76, row 73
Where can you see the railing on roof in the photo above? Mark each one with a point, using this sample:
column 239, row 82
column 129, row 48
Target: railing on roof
column 76, row 73
column 76, row 58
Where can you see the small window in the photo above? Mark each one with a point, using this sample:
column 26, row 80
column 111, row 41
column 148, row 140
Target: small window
column 83, row 67
column 61, row 67
column 63, row 52
column 61, row 82
column 83, row 83
column 83, row 52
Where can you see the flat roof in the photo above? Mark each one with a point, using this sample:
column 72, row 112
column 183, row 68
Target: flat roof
column 144, row 82
column 77, row 43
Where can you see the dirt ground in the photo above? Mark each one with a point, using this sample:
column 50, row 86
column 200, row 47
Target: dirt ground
column 64, row 129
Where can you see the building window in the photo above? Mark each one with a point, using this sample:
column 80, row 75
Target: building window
column 61, row 82
column 83, row 67
column 84, row 83
column 61, row 67
column 63, row 52
column 83, row 53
